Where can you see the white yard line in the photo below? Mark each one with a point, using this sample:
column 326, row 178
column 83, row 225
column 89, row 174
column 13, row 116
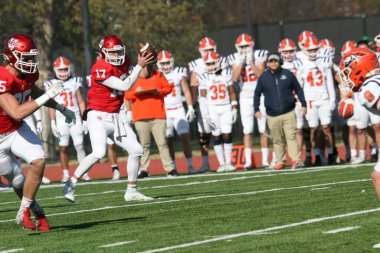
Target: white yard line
column 201, row 197
column 335, row 231
column 116, row 244
column 376, row 246
column 11, row 250
column 255, row 232
column 270, row 172
column 320, row 188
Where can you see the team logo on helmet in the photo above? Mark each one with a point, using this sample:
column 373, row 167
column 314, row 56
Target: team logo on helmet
column 12, row 42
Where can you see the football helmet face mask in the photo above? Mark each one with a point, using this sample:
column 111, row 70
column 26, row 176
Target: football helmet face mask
column 62, row 68
column 21, row 52
column 310, row 48
column 244, row 44
column 302, row 38
column 347, row 47
column 212, row 61
column 112, row 50
column 377, row 40
column 165, row 61
column 206, row 45
column 287, row 50
column 326, row 43
column 355, row 67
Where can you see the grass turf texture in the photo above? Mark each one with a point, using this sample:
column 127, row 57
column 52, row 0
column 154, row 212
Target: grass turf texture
column 275, row 206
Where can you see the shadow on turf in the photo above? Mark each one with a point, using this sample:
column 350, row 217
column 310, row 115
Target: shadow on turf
column 95, row 223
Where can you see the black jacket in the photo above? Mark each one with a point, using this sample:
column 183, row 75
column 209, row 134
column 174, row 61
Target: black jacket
column 278, row 91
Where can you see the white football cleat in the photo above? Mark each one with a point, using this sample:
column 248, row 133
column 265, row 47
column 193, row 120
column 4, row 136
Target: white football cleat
column 116, row 175
column 86, row 177
column 230, row 167
column 65, row 178
column 68, row 191
column 135, row 195
column 221, row 169
column 357, row 160
column 45, row 180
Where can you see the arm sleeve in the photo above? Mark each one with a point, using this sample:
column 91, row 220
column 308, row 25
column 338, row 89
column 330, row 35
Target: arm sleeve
column 299, row 91
column 117, row 84
column 256, row 98
column 203, row 106
column 330, row 84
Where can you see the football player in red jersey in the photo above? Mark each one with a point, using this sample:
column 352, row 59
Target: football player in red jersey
column 108, row 82
column 17, row 84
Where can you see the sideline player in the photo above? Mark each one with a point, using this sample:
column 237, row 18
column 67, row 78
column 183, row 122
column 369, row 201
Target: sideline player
column 17, row 84
column 176, row 118
column 247, row 66
column 72, row 98
column 108, row 82
column 219, row 107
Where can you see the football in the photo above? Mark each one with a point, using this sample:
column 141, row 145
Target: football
column 149, row 48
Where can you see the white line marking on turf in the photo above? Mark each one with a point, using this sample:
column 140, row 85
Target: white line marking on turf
column 376, row 246
column 116, row 244
column 11, row 250
column 335, row 231
column 255, row 232
column 320, row 188
column 201, row 197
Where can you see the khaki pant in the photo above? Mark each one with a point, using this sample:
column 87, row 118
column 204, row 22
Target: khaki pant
column 283, row 128
column 156, row 127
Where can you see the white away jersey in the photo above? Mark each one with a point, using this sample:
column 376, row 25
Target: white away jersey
column 248, row 79
column 292, row 66
column 68, row 97
column 216, row 87
column 314, row 78
column 369, row 94
column 174, row 78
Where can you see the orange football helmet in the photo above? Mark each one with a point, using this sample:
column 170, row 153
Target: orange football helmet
column 326, row 43
column 311, row 47
column 165, row 61
column 347, row 47
column 244, row 43
column 62, row 68
column 212, row 61
column 355, row 67
column 287, row 49
column 21, row 52
column 302, row 38
column 206, row 44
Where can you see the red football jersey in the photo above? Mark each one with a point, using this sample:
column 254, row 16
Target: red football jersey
column 20, row 88
column 103, row 98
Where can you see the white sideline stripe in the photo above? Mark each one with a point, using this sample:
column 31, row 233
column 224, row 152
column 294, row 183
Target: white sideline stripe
column 376, row 246
column 200, row 197
column 271, row 172
column 116, row 244
column 255, row 232
column 320, row 188
column 335, row 231
column 11, row 250
column 185, row 184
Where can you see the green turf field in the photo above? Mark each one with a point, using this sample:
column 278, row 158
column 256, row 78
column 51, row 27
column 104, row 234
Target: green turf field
column 329, row 209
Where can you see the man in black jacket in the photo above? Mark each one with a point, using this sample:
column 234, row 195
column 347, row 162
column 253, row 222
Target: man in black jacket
column 278, row 86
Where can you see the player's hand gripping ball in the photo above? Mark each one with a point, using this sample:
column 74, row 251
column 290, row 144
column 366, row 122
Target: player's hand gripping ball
column 346, row 108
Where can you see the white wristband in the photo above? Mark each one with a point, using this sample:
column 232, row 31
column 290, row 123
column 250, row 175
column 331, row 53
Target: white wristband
column 234, row 103
column 41, row 100
column 190, row 106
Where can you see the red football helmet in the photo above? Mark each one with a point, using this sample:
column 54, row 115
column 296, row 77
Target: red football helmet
column 112, row 49
column 287, row 49
column 62, row 68
column 355, row 67
column 347, row 47
column 311, row 47
column 326, row 43
column 244, row 43
column 206, row 44
column 302, row 38
column 165, row 62
column 212, row 61
column 21, row 52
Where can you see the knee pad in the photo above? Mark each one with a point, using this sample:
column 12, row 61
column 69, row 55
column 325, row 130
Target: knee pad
column 18, row 181
column 137, row 151
column 98, row 153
